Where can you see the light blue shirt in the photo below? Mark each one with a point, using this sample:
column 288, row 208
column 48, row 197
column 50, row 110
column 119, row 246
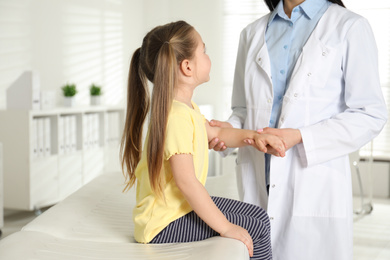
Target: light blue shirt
column 285, row 38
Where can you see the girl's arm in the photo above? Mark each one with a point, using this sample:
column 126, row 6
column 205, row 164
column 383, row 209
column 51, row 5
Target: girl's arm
column 197, row 196
column 234, row 137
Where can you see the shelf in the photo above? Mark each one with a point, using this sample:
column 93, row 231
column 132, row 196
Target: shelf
column 49, row 154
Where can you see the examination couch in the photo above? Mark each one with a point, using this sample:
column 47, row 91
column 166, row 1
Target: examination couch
column 95, row 222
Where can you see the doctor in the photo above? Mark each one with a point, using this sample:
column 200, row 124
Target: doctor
column 307, row 72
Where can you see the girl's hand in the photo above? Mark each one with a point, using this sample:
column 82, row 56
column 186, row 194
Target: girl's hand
column 290, row 136
column 216, row 144
column 268, row 143
column 239, row 233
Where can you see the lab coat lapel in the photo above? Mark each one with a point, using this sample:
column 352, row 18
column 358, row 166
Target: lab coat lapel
column 262, row 58
column 313, row 59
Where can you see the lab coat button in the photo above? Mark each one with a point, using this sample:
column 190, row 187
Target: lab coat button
column 271, row 218
column 273, row 185
column 295, row 94
column 324, row 54
column 269, row 100
column 309, row 74
column 259, row 59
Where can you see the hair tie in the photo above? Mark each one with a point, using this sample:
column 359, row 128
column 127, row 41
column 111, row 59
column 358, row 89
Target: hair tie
column 166, row 42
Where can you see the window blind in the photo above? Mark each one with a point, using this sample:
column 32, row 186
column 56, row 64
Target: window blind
column 238, row 14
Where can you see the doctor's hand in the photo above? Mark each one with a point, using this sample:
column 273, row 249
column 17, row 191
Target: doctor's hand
column 290, row 136
column 239, row 233
column 268, row 143
column 215, row 143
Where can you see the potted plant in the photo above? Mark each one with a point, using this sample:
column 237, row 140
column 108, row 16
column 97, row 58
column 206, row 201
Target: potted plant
column 96, row 92
column 69, row 91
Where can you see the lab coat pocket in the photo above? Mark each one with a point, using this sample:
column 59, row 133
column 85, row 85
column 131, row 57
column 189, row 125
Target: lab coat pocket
column 321, row 63
column 320, row 192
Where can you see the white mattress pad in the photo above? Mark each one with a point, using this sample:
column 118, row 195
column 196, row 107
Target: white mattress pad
column 95, row 222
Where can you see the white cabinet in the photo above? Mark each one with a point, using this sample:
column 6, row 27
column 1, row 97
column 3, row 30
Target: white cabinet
column 70, row 173
column 50, row 154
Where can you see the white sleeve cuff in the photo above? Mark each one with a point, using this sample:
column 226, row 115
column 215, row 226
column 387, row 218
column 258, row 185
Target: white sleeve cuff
column 306, row 149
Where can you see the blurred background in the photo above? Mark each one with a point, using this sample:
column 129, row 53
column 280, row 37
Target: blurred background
column 92, row 41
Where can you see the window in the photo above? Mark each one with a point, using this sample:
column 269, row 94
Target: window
column 238, row 14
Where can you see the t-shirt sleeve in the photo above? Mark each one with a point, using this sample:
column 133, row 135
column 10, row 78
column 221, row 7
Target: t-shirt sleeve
column 179, row 134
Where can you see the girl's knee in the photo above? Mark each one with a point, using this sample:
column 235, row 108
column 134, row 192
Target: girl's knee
column 262, row 215
column 261, row 230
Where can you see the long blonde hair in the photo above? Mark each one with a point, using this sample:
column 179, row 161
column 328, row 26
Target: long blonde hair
column 158, row 59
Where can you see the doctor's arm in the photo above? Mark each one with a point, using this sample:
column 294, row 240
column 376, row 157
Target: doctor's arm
column 290, row 136
column 197, row 196
column 365, row 111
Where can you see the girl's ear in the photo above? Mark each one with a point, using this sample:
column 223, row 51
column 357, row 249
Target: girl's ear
column 186, row 68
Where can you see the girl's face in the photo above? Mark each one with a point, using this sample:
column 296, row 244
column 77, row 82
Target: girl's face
column 202, row 61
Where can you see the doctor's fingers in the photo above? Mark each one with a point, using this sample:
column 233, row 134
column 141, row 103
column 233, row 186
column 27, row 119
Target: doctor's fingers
column 217, row 145
column 264, row 147
column 218, row 123
column 259, row 145
column 272, row 151
column 276, row 143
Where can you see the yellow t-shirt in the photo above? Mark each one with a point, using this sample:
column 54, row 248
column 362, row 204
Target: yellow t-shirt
column 185, row 134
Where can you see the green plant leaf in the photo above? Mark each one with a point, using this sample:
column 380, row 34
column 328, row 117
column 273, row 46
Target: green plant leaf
column 95, row 90
column 69, row 90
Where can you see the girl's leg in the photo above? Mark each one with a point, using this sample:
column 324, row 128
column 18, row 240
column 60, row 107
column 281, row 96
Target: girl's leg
column 254, row 219
column 191, row 228
column 226, row 205
column 188, row 228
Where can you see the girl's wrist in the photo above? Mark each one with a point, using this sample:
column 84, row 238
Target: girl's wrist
column 224, row 228
column 253, row 134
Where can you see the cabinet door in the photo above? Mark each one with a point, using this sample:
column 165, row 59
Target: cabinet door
column 112, row 161
column 93, row 162
column 70, row 174
column 43, row 182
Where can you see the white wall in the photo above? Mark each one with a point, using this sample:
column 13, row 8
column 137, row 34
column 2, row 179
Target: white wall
column 78, row 41
column 206, row 16
column 91, row 41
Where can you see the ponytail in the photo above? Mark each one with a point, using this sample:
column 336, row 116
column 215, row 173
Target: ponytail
column 164, row 82
column 163, row 49
column 137, row 109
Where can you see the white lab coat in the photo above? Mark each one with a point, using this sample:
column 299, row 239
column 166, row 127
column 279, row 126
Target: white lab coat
column 335, row 99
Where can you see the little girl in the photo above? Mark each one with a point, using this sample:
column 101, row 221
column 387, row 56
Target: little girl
column 172, row 204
